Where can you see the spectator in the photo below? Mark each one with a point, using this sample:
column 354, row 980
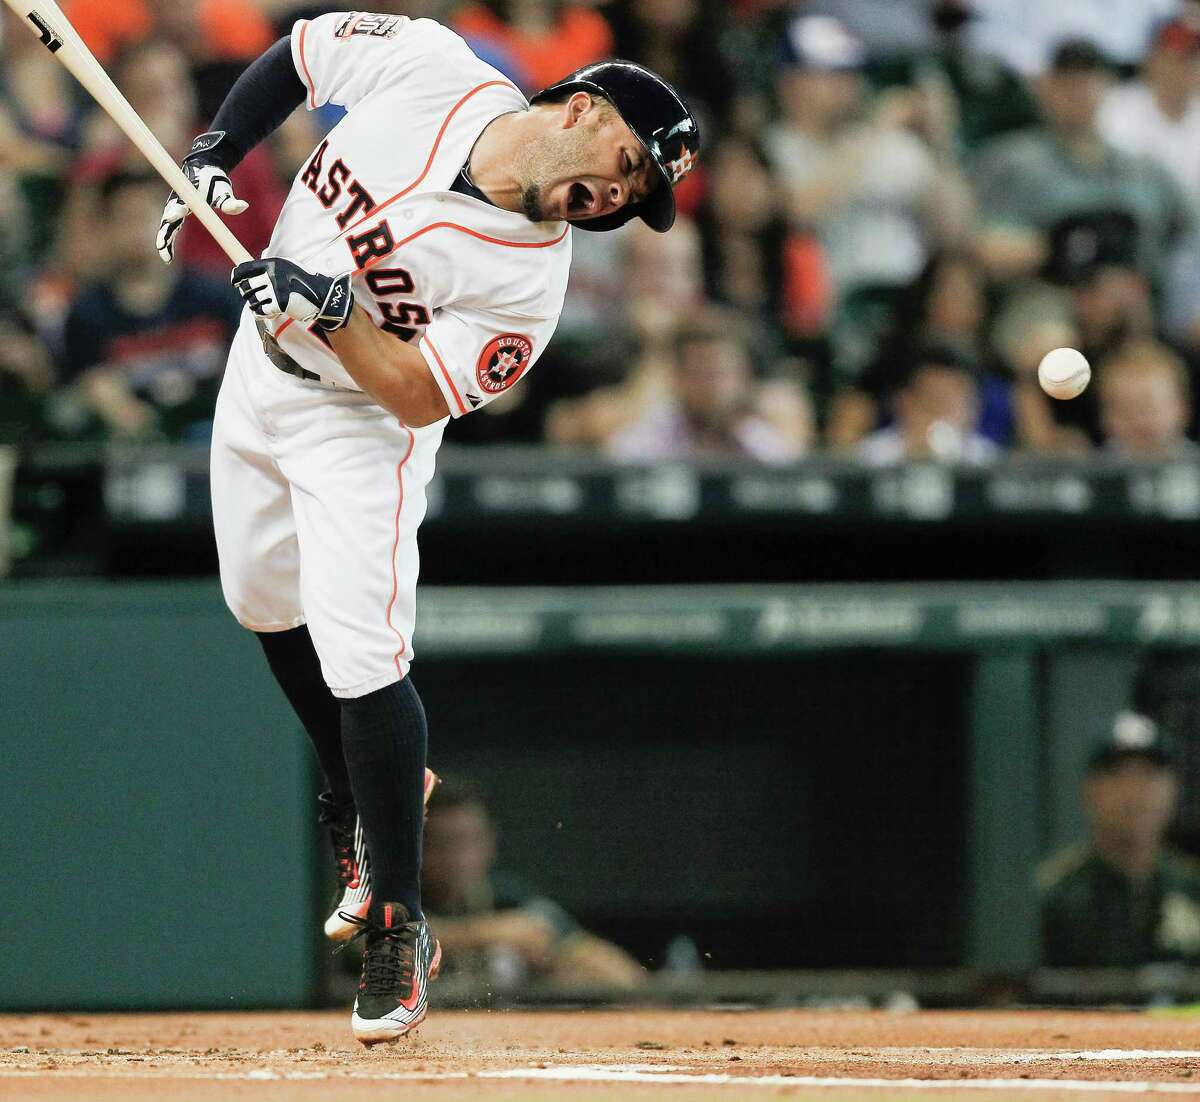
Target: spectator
column 493, row 926
column 681, row 41
column 992, row 99
column 1034, row 321
column 1145, row 403
column 661, row 282
column 210, row 29
column 936, row 414
column 1024, row 33
column 752, row 30
column 753, row 261
column 888, row 28
column 947, row 304
column 880, row 191
column 16, row 271
column 1158, row 116
column 39, row 128
column 26, row 384
column 546, row 39
column 1092, row 257
column 710, row 412
column 146, row 344
column 155, row 78
column 1033, row 180
column 1123, row 898
column 218, row 36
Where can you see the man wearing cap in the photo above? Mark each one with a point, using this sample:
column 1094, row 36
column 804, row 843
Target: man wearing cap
column 1123, row 898
column 415, row 274
column 1034, row 179
column 1158, row 115
column 878, row 187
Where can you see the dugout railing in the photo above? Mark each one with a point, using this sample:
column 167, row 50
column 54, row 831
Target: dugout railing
column 537, row 516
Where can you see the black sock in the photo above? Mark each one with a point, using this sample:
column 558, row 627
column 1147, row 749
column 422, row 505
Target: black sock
column 294, row 662
column 384, row 738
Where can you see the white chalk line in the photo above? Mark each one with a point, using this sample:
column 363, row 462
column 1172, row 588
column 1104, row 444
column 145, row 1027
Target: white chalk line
column 619, row 1075
column 1106, row 1054
column 1035, row 1055
column 665, row 1075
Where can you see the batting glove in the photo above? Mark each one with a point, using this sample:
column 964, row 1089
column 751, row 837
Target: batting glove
column 203, row 168
column 273, row 286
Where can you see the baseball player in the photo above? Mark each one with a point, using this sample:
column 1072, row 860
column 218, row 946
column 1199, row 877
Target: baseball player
column 415, row 274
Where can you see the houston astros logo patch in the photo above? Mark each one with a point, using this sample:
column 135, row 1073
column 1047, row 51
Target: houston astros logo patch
column 502, row 361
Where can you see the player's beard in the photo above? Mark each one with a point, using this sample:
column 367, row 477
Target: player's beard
column 550, row 160
column 531, row 203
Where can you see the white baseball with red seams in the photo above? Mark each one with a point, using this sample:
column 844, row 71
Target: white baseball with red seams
column 317, row 491
column 1064, row 373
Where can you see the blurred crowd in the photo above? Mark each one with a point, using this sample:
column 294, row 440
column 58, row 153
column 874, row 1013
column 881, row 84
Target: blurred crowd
column 901, row 206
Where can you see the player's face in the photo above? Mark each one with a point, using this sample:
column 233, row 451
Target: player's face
column 1133, row 801
column 589, row 166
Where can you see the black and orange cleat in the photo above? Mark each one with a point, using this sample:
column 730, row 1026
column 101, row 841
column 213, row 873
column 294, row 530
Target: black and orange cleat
column 400, row 958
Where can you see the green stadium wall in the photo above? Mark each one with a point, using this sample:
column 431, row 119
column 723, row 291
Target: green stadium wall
column 862, row 776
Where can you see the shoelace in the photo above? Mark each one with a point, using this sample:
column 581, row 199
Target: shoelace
column 390, row 958
column 342, row 836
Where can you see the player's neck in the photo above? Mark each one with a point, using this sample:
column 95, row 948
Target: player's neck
column 496, row 154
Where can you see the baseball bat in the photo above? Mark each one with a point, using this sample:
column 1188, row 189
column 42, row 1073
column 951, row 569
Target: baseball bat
column 45, row 19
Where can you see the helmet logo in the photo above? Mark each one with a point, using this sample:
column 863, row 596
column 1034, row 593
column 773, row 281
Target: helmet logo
column 681, row 167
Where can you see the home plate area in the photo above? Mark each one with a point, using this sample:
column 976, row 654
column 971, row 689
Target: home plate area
column 634, row 1054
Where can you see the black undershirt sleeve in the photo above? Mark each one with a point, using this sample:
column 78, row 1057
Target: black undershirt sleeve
column 264, row 95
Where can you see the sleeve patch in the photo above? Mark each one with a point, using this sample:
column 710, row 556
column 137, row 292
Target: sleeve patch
column 503, row 361
column 368, row 24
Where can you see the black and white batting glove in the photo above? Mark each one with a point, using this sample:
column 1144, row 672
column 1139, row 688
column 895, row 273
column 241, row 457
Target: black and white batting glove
column 273, row 286
column 202, row 166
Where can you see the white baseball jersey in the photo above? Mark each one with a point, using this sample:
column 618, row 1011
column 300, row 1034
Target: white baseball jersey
column 317, row 491
column 440, row 268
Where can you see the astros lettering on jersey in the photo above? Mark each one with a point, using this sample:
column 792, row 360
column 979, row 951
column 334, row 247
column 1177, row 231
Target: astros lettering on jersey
column 465, row 280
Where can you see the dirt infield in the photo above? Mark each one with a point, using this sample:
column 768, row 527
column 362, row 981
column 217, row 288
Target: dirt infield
column 632, row 1055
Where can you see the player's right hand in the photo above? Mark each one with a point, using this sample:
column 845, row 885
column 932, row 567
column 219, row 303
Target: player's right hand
column 274, row 286
column 206, row 174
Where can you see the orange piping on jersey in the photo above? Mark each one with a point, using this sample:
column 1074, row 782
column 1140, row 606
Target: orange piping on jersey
column 471, row 233
column 312, row 88
column 448, row 226
column 432, row 153
column 446, row 375
column 412, row 440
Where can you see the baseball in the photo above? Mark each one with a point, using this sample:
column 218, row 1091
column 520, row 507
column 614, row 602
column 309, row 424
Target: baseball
column 1064, row 373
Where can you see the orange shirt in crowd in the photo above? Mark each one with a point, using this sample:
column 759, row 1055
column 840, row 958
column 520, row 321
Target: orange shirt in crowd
column 229, row 29
column 579, row 36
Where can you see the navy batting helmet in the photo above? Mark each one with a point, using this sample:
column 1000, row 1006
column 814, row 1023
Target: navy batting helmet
column 659, row 119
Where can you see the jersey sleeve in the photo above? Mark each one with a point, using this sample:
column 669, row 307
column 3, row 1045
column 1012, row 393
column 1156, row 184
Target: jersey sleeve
column 342, row 57
column 475, row 356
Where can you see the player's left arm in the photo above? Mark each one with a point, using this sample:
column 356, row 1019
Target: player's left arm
column 264, row 95
column 392, row 372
